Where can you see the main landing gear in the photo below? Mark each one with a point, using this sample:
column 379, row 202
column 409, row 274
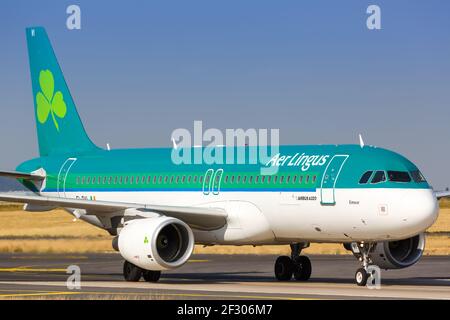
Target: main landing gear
column 295, row 265
column 133, row 273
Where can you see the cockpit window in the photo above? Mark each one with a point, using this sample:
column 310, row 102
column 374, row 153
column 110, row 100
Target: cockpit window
column 365, row 177
column 417, row 176
column 379, row 176
column 399, row 176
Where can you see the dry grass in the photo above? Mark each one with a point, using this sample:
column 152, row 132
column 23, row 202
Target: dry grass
column 443, row 222
column 79, row 245
column 315, row 248
column 56, row 223
column 444, row 203
column 56, row 232
column 435, row 245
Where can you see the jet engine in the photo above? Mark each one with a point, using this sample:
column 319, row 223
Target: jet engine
column 158, row 243
column 398, row 254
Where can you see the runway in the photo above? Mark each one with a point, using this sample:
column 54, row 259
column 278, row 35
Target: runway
column 29, row 276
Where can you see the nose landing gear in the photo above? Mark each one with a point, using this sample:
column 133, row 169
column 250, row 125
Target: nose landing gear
column 362, row 251
column 295, row 265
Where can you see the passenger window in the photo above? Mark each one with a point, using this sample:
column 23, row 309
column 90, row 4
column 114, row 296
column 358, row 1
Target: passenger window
column 417, row 176
column 379, row 176
column 365, row 177
column 399, row 176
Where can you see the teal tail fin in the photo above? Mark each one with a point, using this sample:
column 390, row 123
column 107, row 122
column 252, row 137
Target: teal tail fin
column 59, row 127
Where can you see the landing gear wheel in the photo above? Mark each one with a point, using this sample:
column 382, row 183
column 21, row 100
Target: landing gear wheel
column 151, row 276
column 131, row 272
column 361, row 277
column 284, row 267
column 302, row 268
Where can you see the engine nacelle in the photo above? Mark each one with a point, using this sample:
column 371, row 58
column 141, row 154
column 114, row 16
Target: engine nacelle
column 398, row 254
column 159, row 243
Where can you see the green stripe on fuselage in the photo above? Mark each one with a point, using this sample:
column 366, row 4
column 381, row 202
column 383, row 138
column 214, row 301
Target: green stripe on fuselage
column 157, row 162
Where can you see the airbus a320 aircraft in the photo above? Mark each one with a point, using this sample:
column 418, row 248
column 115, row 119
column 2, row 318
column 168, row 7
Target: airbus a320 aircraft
column 374, row 201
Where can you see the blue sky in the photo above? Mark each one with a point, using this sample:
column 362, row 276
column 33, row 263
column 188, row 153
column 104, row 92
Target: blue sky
column 140, row 69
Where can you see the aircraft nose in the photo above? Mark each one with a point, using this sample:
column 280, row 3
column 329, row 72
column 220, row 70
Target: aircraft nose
column 420, row 210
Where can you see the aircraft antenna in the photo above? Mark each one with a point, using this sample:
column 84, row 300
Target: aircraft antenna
column 361, row 141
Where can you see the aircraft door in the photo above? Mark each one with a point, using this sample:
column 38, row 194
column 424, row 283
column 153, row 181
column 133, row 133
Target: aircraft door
column 329, row 179
column 62, row 176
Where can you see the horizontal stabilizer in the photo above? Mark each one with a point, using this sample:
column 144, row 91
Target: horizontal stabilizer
column 22, row 175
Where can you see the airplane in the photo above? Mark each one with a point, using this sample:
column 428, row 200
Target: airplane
column 372, row 200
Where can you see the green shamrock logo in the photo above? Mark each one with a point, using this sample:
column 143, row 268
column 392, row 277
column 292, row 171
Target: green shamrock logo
column 48, row 102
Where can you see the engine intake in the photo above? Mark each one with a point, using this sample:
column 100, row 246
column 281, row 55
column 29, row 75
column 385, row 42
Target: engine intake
column 398, row 254
column 159, row 243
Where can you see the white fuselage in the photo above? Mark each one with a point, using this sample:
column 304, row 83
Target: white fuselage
column 359, row 214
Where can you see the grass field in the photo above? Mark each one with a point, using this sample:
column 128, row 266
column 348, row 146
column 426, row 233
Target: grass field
column 56, row 232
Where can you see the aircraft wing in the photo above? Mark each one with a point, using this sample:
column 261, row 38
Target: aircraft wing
column 21, row 175
column 197, row 217
column 442, row 194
